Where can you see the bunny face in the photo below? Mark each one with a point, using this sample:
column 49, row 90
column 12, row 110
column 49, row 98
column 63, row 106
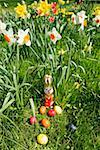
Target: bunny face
column 48, row 90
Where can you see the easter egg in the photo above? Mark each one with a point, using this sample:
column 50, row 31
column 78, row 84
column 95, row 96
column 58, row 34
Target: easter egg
column 42, row 110
column 58, row 110
column 45, row 122
column 32, row 120
column 42, row 139
column 51, row 113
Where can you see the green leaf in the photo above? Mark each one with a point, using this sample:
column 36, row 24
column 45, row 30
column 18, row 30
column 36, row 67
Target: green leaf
column 6, row 105
column 62, row 76
column 32, row 106
column 6, row 99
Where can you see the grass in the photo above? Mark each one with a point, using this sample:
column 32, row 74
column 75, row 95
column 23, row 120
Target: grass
column 76, row 82
column 13, row 3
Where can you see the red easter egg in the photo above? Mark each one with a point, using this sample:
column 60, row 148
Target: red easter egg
column 51, row 113
column 32, row 120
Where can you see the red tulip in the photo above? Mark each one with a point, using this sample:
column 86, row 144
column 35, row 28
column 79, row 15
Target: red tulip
column 53, row 5
column 51, row 19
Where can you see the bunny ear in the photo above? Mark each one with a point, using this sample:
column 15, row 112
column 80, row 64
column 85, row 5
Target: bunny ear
column 79, row 1
column 48, row 79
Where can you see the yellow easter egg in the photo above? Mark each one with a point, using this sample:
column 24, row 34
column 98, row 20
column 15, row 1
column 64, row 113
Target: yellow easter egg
column 58, row 110
column 42, row 139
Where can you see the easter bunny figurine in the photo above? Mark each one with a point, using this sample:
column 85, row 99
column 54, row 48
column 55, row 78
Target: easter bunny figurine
column 48, row 90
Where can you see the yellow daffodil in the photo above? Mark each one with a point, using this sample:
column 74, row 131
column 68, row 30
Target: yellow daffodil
column 54, row 35
column 34, row 5
column 44, row 8
column 96, row 11
column 23, row 37
column 68, row 19
column 61, row 2
column 88, row 48
column 21, row 11
column 69, row 13
column 63, row 11
column 77, row 85
column 67, row 2
column 61, row 52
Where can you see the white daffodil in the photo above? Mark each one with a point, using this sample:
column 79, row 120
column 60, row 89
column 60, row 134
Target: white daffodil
column 97, row 20
column 81, row 17
column 23, row 37
column 9, row 36
column 74, row 18
column 2, row 27
column 54, row 35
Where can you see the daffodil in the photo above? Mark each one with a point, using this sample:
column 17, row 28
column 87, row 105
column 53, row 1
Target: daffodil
column 81, row 16
column 21, row 11
column 61, row 2
column 96, row 11
column 9, row 36
column 69, row 13
column 34, row 5
column 2, row 27
column 44, row 7
column 80, row 19
column 67, row 2
column 97, row 20
column 23, row 37
column 54, row 35
column 61, row 52
column 74, row 18
column 77, row 85
column 63, row 11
